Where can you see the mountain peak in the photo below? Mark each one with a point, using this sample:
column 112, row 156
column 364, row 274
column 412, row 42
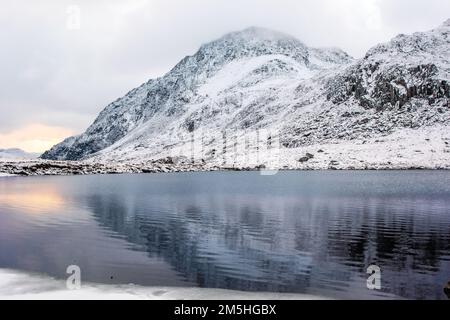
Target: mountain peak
column 259, row 78
column 259, row 33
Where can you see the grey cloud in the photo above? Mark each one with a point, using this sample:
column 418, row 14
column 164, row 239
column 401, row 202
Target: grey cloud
column 56, row 76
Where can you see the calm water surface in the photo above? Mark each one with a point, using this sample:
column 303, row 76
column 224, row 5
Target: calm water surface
column 305, row 232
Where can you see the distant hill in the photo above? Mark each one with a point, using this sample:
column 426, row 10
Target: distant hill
column 16, row 153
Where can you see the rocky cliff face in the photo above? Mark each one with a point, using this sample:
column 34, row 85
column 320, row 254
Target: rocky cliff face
column 260, row 79
column 394, row 73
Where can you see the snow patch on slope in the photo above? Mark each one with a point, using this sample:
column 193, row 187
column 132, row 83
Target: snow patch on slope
column 237, row 71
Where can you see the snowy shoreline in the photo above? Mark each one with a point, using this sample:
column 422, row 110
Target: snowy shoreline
column 21, row 169
column 2, row 174
column 19, row 285
column 56, row 170
column 425, row 149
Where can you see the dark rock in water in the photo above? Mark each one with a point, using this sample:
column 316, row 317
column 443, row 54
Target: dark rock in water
column 447, row 290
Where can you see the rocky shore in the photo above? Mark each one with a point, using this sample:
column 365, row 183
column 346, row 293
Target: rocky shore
column 49, row 167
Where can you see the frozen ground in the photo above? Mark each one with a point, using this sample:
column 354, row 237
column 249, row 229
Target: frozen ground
column 20, row 285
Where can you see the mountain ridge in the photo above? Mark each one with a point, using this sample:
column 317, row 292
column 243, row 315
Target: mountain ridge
column 202, row 64
column 261, row 79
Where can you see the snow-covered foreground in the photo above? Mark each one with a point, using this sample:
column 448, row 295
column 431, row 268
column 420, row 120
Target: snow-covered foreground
column 20, row 285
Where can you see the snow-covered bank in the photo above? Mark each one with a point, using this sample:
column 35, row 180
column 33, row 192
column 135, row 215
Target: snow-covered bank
column 423, row 148
column 49, row 167
column 20, row 285
column 3, row 174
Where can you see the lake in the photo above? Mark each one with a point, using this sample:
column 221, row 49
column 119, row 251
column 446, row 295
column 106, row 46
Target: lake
column 296, row 231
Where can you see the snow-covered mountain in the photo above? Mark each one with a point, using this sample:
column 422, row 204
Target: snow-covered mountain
column 16, row 153
column 308, row 99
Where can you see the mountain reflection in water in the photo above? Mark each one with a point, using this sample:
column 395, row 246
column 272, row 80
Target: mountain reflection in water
column 312, row 232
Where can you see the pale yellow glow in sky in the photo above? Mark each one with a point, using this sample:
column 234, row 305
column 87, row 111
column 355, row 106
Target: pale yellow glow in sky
column 34, row 137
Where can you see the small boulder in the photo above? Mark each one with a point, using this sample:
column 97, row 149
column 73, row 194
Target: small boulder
column 306, row 157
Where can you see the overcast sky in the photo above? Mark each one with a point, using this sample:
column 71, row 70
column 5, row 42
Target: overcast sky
column 56, row 74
